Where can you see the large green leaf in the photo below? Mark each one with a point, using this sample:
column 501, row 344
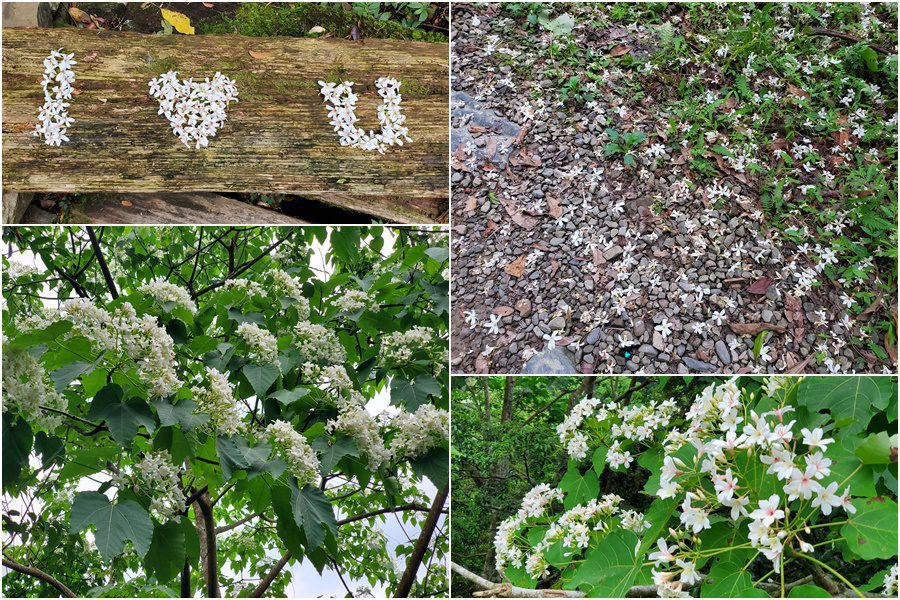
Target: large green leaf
column 17, row 440
column 872, row 532
column 434, row 464
column 261, row 377
column 657, row 516
column 87, row 461
column 123, row 416
column 876, row 449
column 598, row 459
column 313, row 514
column 179, row 414
column 578, row 488
column 808, row 591
column 851, row 400
column 728, row 579
column 331, row 454
column 63, row 376
column 165, row 558
column 236, row 453
column 413, row 394
column 610, row 568
column 113, row 523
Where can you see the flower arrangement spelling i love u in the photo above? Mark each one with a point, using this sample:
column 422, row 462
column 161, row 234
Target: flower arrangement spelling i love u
column 196, row 110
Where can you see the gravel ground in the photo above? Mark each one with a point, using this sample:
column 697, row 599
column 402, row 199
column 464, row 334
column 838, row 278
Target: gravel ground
column 634, row 269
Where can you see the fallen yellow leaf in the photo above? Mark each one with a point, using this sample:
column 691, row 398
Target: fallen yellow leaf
column 181, row 23
column 79, row 15
column 259, row 54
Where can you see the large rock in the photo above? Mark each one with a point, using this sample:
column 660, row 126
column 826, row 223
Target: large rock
column 551, row 362
column 502, row 130
column 698, row 365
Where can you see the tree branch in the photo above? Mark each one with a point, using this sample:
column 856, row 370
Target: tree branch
column 240, row 269
column 381, row 511
column 237, row 523
column 506, row 590
column 418, row 553
column 104, row 268
column 206, row 526
column 263, row 585
column 35, row 572
column 852, row 38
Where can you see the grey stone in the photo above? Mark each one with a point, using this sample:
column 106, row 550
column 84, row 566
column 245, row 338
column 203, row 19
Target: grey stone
column 723, row 353
column 658, row 341
column 550, row 362
column 557, row 323
column 613, row 252
column 698, row 365
column 594, row 336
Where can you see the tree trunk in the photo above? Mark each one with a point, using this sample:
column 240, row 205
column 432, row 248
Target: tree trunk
column 206, row 530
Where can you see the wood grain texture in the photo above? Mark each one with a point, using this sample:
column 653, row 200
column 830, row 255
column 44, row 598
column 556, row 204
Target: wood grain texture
column 172, row 208
column 277, row 137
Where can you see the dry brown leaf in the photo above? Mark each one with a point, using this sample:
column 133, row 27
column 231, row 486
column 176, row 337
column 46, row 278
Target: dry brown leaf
column 503, row 311
column 760, row 286
column 890, row 349
column 471, row 204
column 516, row 268
column 619, row 50
column 127, row 203
column 259, row 54
column 489, row 228
column 754, row 328
column 800, row 366
column 800, row 93
column 476, row 129
column 554, row 267
column 520, row 137
column 525, row 158
column 460, row 153
column 556, row 210
column 80, row 16
column 518, row 216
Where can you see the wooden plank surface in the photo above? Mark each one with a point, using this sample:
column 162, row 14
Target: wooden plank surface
column 171, row 208
column 277, row 137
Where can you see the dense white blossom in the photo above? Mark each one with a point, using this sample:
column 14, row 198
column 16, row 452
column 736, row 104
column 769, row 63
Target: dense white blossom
column 27, row 387
column 263, row 345
column 341, row 102
column 156, row 477
column 301, row 458
column 398, row 347
column 219, row 402
column 162, row 291
column 351, row 300
column 195, row 109
column 420, row 431
column 317, row 342
column 122, row 332
column 57, row 83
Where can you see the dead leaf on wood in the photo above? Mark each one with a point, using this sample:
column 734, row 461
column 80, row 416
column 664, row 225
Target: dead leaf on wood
column 619, row 50
column 471, row 204
column 259, row 54
column 754, row 328
column 556, row 210
column 800, row 93
column 760, row 286
column 503, row 311
column 516, row 268
column 80, row 16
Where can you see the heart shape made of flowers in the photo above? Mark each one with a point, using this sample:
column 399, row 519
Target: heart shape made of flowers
column 195, row 109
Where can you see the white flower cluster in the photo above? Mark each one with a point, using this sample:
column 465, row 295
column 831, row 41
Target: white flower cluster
column 355, row 421
column 420, row 431
column 636, row 423
column 317, row 342
column 890, row 582
column 301, row 458
column 157, row 478
column 263, row 345
column 57, row 84
column 18, row 271
column 342, row 111
column 719, row 432
column 398, row 347
column 123, row 333
column 248, row 286
column 534, row 505
column 195, row 109
column 218, row 402
column 27, row 387
column 290, row 286
column 163, row 291
column 351, row 300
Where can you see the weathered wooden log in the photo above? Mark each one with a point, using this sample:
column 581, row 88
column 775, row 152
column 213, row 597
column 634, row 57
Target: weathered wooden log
column 166, row 208
column 277, row 137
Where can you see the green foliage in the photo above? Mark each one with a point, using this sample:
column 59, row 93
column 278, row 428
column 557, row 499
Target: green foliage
column 102, row 419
